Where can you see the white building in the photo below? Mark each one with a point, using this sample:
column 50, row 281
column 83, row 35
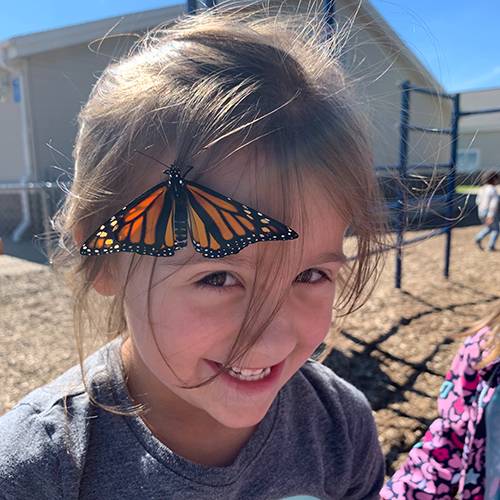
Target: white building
column 46, row 77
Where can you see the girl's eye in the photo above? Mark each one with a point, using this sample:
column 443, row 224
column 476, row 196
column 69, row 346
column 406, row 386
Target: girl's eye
column 223, row 281
column 312, row 276
column 220, row 281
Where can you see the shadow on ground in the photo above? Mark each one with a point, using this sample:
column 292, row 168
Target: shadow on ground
column 386, row 376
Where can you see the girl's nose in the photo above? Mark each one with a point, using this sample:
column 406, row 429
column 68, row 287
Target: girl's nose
column 279, row 338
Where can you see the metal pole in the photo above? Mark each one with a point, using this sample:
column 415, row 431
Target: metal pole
column 450, row 184
column 44, row 198
column 191, row 6
column 403, row 162
column 329, row 12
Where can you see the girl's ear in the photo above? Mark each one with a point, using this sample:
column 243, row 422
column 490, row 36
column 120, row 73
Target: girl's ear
column 105, row 283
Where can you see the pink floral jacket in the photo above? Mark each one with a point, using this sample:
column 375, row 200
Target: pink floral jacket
column 450, row 459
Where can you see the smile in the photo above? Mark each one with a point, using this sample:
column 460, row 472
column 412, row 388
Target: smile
column 238, row 373
column 248, row 374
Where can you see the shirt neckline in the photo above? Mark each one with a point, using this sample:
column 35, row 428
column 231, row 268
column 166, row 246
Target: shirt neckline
column 201, row 474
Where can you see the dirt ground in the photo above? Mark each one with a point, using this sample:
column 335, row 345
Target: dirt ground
column 396, row 349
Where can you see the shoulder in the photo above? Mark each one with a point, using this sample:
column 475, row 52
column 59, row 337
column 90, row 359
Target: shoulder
column 332, row 391
column 320, row 398
column 28, row 457
column 464, row 378
column 43, row 437
column 487, row 188
column 337, row 419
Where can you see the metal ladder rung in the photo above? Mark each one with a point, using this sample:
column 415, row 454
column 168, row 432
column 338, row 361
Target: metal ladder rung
column 430, row 92
column 430, row 129
column 430, row 166
column 393, row 205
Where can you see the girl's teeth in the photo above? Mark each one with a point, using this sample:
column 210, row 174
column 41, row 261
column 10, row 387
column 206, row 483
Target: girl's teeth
column 245, row 374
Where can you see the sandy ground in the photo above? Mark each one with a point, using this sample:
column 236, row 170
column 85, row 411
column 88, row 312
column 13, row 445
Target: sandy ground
column 396, row 349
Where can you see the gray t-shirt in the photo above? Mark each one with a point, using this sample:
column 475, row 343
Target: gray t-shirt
column 318, row 439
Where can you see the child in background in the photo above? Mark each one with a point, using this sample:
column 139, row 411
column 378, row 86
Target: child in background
column 206, row 390
column 488, row 209
column 460, row 452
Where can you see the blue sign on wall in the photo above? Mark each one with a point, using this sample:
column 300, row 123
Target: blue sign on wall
column 16, row 90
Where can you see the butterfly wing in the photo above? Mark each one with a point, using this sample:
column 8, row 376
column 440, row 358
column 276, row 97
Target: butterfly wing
column 221, row 226
column 144, row 226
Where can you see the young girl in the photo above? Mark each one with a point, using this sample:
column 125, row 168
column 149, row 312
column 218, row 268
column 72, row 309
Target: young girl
column 460, row 453
column 488, row 210
column 207, row 389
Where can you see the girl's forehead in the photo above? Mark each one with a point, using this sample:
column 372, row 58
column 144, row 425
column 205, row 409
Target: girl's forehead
column 249, row 182
column 264, row 186
column 268, row 188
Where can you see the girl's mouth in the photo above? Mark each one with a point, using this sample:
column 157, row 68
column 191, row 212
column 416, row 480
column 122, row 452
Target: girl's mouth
column 248, row 374
column 249, row 379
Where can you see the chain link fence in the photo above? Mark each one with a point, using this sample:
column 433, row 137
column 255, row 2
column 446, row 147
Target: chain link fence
column 25, row 212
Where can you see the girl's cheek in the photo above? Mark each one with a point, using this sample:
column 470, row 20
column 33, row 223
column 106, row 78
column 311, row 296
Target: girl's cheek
column 316, row 315
column 213, row 303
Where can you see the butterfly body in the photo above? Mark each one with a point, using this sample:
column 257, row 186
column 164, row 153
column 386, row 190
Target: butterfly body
column 158, row 221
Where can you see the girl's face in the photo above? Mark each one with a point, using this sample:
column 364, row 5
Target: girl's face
column 196, row 313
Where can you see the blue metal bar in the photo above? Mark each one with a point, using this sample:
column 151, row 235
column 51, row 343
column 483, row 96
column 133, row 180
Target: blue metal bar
column 435, row 93
column 329, row 14
column 431, row 166
column 451, row 179
column 17, row 187
column 386, row 167
column 427, row 236
column 329, row 17
column 403, row 162
column 392, row 205
column 440, row 198
column 479, row 112
column 210, row 3
column 191, row 6
column 432, row 130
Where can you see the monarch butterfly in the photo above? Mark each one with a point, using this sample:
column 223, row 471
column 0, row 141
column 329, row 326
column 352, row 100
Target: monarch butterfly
column 156, row 223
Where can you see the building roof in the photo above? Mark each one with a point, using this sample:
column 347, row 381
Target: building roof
column 35, row 43
column 476, row 100
column 43, row 41
column 379, row 24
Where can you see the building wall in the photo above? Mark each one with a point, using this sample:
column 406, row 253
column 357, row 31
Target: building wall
column 484, row 144
column 377, row 71
column 60, row 82
column 479, row 134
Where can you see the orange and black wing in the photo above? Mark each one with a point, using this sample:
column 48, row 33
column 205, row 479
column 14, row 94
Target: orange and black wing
column 220, row 226
column 145, row 226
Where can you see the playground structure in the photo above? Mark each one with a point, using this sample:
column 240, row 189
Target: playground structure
column 43, row 194
column 403, row 168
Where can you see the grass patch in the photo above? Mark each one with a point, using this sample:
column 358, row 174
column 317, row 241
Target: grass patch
column 465, row 189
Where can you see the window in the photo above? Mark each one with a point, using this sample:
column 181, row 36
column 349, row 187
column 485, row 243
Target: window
column 467, row 160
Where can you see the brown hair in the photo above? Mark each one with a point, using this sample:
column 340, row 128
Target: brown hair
column 199, row 90
column 490, row 177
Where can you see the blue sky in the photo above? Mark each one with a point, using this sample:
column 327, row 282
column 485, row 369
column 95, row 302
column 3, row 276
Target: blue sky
column 455, row 39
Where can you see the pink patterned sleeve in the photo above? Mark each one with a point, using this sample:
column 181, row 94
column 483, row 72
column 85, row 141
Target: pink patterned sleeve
column 432, row 468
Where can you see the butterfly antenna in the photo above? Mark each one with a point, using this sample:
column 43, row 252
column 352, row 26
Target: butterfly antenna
column 151, row 158
column 160, row 162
